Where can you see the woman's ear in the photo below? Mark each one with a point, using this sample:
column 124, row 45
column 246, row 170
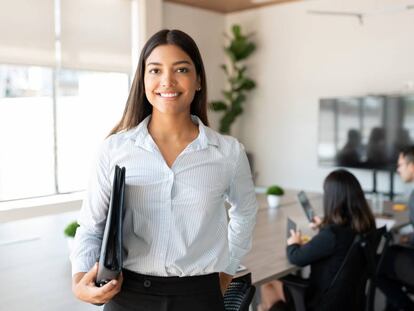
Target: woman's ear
column 198, row 83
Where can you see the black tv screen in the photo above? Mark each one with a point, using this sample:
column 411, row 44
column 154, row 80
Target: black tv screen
column 365, row 132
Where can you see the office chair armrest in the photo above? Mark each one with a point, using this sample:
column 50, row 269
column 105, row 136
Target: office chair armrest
column 239, row 294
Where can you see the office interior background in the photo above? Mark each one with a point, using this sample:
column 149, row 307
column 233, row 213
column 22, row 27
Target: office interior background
column 66, row 67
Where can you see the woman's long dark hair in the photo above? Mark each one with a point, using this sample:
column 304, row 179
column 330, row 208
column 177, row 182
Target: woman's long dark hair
column 138, row 107
column 345, row 203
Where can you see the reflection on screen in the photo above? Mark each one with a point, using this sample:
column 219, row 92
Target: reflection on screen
column 364, row 132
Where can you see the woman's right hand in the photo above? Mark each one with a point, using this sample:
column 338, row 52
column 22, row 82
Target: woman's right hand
column 316, row 223
column 295, row 237
column 84, row 288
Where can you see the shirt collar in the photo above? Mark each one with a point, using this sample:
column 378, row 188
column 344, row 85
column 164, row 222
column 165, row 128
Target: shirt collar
column 205, row 137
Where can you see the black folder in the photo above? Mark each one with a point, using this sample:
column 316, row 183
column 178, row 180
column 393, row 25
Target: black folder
column 110, row 260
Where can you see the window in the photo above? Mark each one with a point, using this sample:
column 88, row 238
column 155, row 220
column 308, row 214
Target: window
column 52, row 120
column 87, row 107
column 26, row 139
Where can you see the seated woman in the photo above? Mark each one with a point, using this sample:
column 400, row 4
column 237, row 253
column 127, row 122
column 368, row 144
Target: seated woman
column 346, row 213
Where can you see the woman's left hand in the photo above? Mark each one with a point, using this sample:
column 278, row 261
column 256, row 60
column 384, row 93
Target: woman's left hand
column 295, row 237
column 225, row 280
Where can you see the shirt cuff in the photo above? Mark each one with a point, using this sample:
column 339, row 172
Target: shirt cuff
column 232, row 267
column 82, row 264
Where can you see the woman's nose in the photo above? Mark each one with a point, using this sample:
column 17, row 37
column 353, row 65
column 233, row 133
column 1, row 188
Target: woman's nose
column 168, row 80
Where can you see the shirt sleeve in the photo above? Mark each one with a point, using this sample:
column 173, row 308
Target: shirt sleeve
column 242, row 213
column 92, row 218
column 320, row 246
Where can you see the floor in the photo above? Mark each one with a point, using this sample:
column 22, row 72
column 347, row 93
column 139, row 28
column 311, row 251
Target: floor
column 34, row 266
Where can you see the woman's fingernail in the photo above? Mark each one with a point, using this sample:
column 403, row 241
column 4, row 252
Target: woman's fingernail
column 113, row 282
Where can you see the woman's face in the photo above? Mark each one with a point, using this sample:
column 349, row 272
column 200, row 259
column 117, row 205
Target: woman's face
column 170, row 80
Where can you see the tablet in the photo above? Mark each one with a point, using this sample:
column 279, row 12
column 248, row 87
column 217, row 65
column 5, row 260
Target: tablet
column 307, row 207
column 291, row 225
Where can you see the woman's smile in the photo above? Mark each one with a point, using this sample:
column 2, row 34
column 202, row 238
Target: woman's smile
column 168, row 95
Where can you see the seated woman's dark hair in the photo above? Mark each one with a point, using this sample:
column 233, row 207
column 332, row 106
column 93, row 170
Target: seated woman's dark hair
column 344, row 202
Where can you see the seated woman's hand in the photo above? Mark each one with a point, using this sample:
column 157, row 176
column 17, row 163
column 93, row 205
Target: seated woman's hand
column 295, row 237
column 316, row 223
column 84, row 288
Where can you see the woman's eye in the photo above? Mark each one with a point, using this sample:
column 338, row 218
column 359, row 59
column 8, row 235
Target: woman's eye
column 183, row 70
column 154, row 70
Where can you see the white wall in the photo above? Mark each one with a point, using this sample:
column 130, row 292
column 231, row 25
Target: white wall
column 303, row 57
column 206, row 28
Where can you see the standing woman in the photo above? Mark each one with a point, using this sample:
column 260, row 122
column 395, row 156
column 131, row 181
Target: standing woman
column 180, row 250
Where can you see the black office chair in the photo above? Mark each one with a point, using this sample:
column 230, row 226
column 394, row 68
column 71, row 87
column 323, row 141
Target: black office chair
column 405, row 261
column 239, row 294
column 359, row 260
column 396, row 276
column 386, row 239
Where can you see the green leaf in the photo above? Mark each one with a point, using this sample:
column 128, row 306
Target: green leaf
column 275, row 190
column 236, row 31
column 226, row 122
column 239, row 99
column 218, row 106
column 246, row 85
column 71, row 228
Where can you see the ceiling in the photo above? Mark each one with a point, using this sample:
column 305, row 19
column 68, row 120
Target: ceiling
column 228, row 6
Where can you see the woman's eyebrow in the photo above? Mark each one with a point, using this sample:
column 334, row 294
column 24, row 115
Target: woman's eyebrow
column 174, row 64
column 182, row 62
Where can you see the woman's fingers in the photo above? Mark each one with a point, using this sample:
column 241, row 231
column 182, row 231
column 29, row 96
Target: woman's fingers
column 100, row 295
column 109, row 287
column 86, row 289
column 90, row 276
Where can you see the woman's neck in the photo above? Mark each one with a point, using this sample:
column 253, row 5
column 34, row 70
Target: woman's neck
column 172, row 127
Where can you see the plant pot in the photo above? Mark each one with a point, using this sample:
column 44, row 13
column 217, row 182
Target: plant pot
column 273, row 200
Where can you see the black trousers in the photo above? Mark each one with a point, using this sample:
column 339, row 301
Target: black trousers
column 151, row 293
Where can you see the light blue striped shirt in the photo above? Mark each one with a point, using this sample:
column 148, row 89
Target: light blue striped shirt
column 176, row 223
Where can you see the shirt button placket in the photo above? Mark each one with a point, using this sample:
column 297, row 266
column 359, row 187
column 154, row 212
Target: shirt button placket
column 170, row 218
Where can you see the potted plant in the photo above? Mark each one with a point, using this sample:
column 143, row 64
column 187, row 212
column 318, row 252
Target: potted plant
column 274, row 193
column 70, row 232
column 238, row 50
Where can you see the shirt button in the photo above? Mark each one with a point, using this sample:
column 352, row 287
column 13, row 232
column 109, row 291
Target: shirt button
column 147, row 283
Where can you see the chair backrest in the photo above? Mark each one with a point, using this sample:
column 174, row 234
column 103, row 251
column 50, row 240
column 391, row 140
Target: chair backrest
column 239, row 294
column 401, row 262
column 349, row 283
column 386, row 238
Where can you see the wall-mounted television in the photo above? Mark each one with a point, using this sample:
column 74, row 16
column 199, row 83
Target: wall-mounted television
column 365, row 132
